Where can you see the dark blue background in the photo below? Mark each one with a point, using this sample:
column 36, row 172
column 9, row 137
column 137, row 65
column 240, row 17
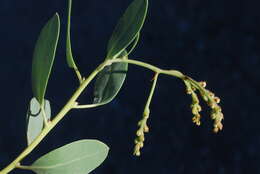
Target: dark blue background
column 215, row 41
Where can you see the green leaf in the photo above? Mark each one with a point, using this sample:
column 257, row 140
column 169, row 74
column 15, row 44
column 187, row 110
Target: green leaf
column 70, row 59
column 35, row 121
column 79, row 157
column 133, row 44
column 43, row 57
column 109, row 81
column 127, row 28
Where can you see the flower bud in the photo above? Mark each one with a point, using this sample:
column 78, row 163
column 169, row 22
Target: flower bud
column 199, row 108
column 146, row 129
column 189, row 91
column 215, row 130
column 137, row 153
column 142, row 138
column 139, row 133
column 203, row 84
column 217, row 100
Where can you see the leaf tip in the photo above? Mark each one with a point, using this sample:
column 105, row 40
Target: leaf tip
column 56, row 15
column 101, row 143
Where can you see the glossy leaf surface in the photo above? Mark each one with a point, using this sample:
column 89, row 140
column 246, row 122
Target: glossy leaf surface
column 43, row 57
column 35, row 121
column 79, row 157
column 127, row 28
column 109, row 81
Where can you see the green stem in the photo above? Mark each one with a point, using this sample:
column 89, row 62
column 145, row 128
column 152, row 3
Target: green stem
column 86, row 106
column 174, row 73
column 70, row 104
column 73, row 104
column 78, row 75
column 151, row 92
column 138, row 63
column 143, row 127
column 23, row 167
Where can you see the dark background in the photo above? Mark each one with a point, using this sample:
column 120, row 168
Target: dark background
column 215, row 41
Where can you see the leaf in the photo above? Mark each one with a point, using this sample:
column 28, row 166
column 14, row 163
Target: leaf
column 127, row 28
column 35, row 121
column 109, row 81
column 43, row 57
column 79, row 157
column 70, row 59
column 133, row 44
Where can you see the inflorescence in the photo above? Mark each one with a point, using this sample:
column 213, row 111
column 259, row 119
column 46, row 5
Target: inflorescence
column 143, row 128
column 192, row 88
column 209, row 97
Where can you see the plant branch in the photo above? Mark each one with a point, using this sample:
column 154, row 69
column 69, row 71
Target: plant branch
column 153, row 68
column 77, row 106
column 72, row 103
column 142, row 124
column 147, row 106
column 174, row 73
column 78, row 75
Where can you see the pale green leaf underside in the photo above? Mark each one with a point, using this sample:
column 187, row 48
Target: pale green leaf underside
column 34, row 119
column 109, row 81
column 127, row 28
column 80, row 157
column 43, row 57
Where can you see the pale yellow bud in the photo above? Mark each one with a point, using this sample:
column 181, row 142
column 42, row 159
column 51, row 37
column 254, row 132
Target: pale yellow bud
column 146, row 129
column 217, row 100
column 215, row 130
column 137, row 153
column 142, row 138
column 203, row 84
column 139, row 133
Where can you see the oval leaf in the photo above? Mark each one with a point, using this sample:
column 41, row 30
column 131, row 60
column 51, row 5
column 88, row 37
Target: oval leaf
column 35, row 120
column 79, row 157
column 43, row 57
column 109, row 81
column 127, row 28
column 70, row 59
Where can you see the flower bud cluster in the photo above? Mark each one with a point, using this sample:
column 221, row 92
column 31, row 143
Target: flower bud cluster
column 143, row 128
column 195, row 106
column 210, row 98
column 216, row 111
